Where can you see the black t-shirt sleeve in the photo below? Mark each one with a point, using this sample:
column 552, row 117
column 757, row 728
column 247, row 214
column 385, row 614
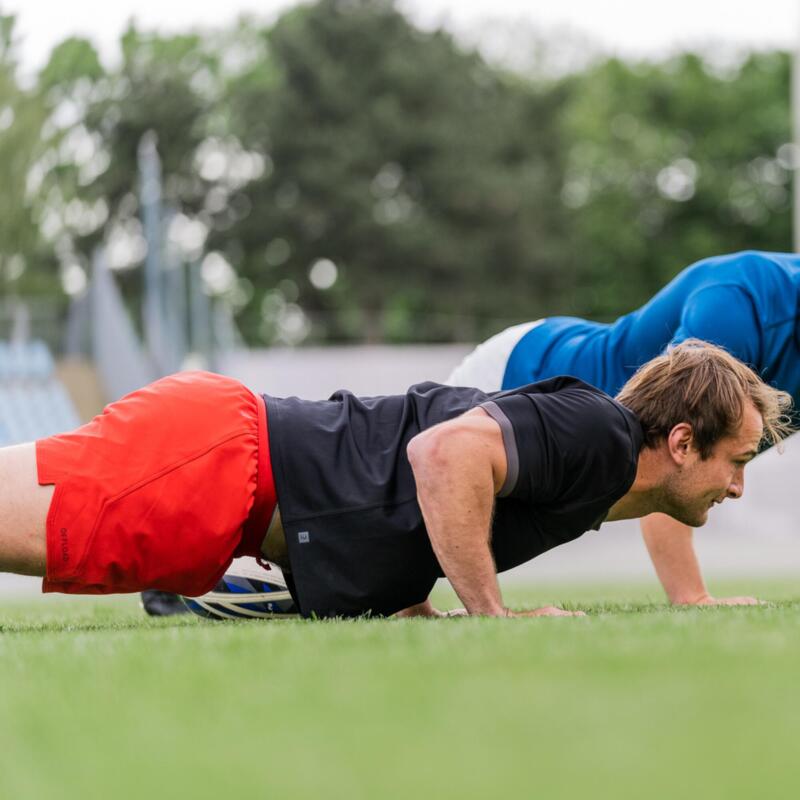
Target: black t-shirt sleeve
column 524, row 441
column 564, row 445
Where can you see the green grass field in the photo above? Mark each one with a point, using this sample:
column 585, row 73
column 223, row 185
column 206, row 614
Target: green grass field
column 635, row 701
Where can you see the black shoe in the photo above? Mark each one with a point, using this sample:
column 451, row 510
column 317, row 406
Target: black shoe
column 162, row 604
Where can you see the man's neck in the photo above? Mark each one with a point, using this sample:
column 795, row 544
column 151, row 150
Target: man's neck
column 646, row 494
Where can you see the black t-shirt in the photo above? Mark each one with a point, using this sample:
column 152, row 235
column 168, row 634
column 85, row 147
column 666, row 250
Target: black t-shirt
column 354, row 530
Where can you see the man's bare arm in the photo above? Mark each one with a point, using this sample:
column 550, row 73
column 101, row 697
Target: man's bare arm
column 459, row 466
column 671, row 549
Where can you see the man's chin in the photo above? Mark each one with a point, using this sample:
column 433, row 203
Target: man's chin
column 694, row 519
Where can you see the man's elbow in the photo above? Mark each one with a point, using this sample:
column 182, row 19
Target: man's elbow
column 426, row 451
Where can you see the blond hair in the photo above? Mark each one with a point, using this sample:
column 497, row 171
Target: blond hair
column 703, row 385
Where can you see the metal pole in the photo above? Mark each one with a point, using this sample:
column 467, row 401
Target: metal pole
column 200, row 310
column 174, row 307
column 150, row 200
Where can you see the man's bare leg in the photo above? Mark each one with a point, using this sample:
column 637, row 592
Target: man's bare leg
column 671, row 549
column 23, row 512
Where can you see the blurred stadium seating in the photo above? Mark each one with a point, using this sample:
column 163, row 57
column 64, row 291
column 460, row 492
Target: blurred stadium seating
column 33, row 401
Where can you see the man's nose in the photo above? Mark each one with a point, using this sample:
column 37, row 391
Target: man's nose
column 736, row 486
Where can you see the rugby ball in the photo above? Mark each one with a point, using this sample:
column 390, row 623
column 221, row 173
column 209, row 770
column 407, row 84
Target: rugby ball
column 246, row 591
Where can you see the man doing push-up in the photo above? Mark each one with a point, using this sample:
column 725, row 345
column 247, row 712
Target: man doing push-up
column 367, row 501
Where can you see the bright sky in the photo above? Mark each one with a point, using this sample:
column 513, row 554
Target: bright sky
column 637, row 28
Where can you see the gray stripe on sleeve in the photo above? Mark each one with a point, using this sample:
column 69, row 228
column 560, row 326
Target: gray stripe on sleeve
column 510, row 444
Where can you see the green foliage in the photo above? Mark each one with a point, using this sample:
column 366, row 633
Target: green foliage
column 73, row 60
column 669, row 163
column 25, row 264
column 406, row 161
column 453, row 197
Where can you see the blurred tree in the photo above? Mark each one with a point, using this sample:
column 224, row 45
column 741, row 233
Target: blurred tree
column 69, row 158
column 350, row 177
column 164, row 84
column 26, row 265
column 422, row 174
column 669, row 163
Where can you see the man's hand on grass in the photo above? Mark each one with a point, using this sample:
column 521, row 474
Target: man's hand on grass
column 424, row 609
column 427, row 609
column 671, row 549
column 547, row 611
column 544, row 611
column 708, row 600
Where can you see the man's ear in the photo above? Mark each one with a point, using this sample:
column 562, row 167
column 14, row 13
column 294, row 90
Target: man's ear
column 680, row 442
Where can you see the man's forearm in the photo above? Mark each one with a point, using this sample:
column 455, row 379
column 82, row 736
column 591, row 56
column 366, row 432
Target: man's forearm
column 456, row 496
column 473, row 578
column 461, row 544
column 671, row 547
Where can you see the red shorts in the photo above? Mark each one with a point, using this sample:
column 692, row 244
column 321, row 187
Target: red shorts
column 160, row 491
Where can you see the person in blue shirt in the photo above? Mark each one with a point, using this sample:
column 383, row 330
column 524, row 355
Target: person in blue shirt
column 748, row 303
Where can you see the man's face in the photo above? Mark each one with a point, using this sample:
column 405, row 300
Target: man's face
column 698, row 485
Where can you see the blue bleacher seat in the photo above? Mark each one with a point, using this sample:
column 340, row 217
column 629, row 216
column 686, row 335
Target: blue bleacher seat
column 33, row 401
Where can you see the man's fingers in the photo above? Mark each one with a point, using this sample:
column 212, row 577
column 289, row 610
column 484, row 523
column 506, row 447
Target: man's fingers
column 549, row 611
column 708, row 600
column 739, row 601
column 546, row 611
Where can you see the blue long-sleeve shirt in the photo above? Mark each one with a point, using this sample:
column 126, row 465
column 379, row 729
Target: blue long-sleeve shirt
column 746, row 302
